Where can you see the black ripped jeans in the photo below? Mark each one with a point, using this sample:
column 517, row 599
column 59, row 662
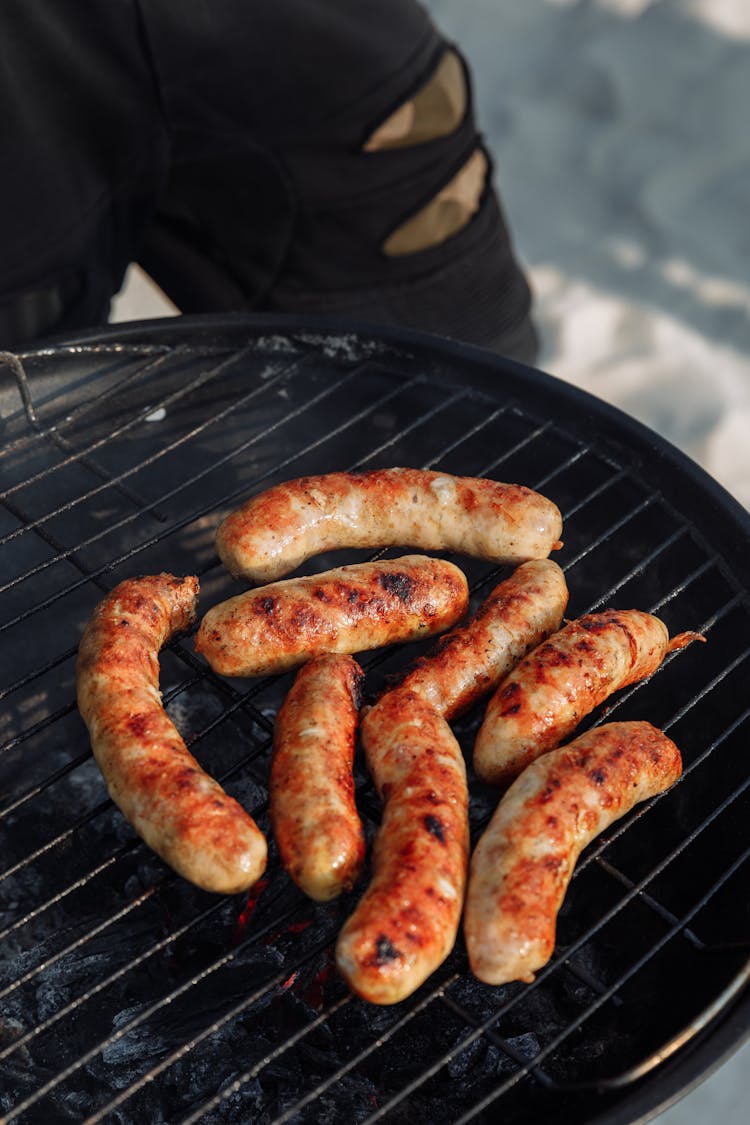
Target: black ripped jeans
column 222, row 145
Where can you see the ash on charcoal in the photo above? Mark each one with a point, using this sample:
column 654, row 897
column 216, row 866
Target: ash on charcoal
column 238, row 1108
column 484, row 1057
column 66, row 980
column 480, row 1056
column 122, row 1050
column 353, row 1100
column 525, row 1046
column 54, row 986
column 16, row 1073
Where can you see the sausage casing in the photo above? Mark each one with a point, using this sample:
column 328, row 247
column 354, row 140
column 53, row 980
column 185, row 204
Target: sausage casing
column 180, row 812
column 351, row 609
column 522, row 864
column 547, row 694
column 406, row 922
column 313, row 812
column 275, row 531
column 474, row 656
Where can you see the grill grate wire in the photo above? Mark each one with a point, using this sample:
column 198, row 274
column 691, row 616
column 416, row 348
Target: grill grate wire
column 280, row 372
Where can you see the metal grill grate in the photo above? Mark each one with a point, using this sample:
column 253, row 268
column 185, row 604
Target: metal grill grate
column 126, row 994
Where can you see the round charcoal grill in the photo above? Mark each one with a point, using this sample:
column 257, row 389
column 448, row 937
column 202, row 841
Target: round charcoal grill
column 126, row 994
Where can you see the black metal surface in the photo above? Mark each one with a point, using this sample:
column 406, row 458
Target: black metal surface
column 127, row 995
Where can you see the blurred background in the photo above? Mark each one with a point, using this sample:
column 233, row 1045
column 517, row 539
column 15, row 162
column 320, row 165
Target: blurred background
column 619, row 130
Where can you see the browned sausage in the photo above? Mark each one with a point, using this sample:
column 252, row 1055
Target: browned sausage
column 275, row 531
column 522, row 864
column 406, row 923
column 473, row 657
column 547, row 694
column 313, row 811
column 182, row 813
column 350, row 609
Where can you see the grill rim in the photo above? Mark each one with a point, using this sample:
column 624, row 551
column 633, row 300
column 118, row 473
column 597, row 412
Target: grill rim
column 691, row 1066
column 579, row 410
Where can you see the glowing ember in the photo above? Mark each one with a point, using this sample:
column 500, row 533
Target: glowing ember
column 243, row 919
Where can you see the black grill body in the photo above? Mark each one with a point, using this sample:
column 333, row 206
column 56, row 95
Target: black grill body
column 126, row 994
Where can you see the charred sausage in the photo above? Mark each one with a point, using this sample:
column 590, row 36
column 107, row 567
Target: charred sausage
column 182, row 813
column 313, row 813
column 406, row 922
column 547, row 694
column 350, row 609
column 522, row 864
column 473, row 657
column 275, row 531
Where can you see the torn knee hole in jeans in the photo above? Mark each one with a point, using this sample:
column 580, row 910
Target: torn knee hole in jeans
column 451, row 209
column 435, row 110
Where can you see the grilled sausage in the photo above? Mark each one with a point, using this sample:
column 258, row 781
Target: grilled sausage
column 473, row 657
column 350, row 609
column 522, row 864
column 182, row 813
column 547, row 694
column 313, row 812
column 275, row 531
column 406, row 922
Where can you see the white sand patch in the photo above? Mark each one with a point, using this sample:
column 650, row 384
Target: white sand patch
column 730, row 17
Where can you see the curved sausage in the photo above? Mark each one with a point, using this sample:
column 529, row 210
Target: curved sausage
column 406, row 922
column 351, row 609
column 313, row 811
column 547, row 694
column 522, row 864
column 180, row 812
column 275, row 531
column 473, row 657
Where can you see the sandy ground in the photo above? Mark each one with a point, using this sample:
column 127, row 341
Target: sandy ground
column 619, row 130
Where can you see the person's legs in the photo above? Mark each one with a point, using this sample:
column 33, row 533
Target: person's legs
column 326, row 153
column 406, row 226
column 322, row 154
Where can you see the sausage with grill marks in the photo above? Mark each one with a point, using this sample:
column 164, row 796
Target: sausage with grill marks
column 180, row 812
column 522, row 864
column 275, row 531
column 474, row 656
column 313, row 811
column 406, row 922
column 547, row 694
column 350, row 609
